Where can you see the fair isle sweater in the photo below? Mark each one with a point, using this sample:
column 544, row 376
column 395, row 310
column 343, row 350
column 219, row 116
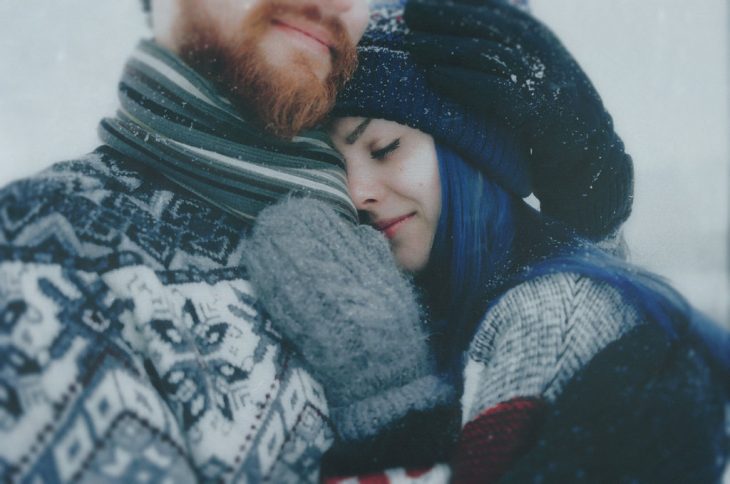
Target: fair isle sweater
column 566, row 382
column 132, row 348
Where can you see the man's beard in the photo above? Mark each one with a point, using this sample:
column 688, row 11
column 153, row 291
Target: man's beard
column 285, row 100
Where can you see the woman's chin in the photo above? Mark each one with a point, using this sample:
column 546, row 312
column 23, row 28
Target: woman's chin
column 409, row 262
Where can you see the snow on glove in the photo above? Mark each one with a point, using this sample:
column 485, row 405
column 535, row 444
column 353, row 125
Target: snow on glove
column 334, row 293
column 505, row 63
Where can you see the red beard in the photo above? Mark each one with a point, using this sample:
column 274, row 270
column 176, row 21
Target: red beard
column 286, row 101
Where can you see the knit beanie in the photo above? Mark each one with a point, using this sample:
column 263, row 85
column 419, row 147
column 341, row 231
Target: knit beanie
column 389, row 84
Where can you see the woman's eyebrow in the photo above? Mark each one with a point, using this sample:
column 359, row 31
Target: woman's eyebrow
column 357, row 132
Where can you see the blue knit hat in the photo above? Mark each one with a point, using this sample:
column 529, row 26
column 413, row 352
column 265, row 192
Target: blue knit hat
column 389, row 84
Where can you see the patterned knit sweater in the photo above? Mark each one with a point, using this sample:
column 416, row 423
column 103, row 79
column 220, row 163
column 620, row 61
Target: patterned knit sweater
column 131, row 347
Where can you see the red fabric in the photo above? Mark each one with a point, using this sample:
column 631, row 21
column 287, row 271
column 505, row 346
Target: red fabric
column 380, row 478
column 414, row 473
column 489, row 444
column 375, row 479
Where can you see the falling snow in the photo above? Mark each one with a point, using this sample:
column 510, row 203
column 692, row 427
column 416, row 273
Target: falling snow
column 61, row 61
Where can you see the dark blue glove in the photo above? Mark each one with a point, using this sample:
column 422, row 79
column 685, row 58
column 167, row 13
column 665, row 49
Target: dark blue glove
column 644, row 409
column 507, row 65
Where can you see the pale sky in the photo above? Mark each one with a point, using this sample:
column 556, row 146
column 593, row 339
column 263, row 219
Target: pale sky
column 660, row 65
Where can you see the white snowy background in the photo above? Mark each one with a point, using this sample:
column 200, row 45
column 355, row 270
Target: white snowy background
column 660, row 65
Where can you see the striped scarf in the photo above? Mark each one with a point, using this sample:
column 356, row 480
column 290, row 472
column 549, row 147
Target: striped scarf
column 174, row 120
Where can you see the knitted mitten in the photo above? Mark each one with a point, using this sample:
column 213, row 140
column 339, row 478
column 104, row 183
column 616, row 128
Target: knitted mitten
column 501, row 61
column 334, row 293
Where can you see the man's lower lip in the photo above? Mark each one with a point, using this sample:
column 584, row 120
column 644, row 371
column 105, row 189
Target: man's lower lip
column 391, row 230
column 302, row 36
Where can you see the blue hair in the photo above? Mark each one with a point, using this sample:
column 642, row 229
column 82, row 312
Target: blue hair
column 488, row 241
column 468, row 252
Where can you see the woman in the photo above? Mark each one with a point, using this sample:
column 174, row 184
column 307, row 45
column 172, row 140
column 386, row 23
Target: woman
column 563, row 357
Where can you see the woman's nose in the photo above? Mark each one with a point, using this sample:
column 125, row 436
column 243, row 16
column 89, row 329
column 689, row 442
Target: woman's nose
column 364, row 186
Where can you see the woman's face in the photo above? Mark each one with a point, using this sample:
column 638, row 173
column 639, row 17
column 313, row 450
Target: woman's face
column 393, row 178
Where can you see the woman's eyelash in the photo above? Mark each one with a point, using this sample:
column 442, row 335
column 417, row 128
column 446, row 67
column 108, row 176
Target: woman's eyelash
column 383, row 152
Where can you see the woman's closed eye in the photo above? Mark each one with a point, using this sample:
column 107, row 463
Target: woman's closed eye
column 383, row 153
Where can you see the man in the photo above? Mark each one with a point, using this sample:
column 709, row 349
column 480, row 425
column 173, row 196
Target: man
column 132, row 348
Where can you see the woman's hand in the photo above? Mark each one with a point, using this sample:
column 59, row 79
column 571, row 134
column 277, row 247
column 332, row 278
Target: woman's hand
column 506, row 64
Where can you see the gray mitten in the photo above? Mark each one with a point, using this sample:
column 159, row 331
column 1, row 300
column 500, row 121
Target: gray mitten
column 334, row 292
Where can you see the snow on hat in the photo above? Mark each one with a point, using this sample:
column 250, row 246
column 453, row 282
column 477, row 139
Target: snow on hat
column 389, row 84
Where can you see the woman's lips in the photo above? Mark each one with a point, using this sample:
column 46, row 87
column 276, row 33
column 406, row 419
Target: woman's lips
column 391, row 226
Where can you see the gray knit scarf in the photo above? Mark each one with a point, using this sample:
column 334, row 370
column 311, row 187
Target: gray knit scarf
column 173, row 120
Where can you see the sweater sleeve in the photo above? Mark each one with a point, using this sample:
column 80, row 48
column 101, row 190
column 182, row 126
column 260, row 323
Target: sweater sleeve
column 529, row 345
column 131, row 343
column 75, row 401
column 538, row 336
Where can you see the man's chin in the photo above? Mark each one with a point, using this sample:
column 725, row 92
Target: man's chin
column 286, row 99
column 296, row 63
column 287, row 56
column 307, row 70
column 286, row 86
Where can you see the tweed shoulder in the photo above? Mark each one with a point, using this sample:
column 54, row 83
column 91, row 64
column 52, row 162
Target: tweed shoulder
column 132, row 346
column 537, row 336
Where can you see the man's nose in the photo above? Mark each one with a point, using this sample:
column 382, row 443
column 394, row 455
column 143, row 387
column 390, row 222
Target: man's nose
column 339, row 6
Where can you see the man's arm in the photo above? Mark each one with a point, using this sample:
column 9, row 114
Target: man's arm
column 113, row 365
column 332, row 289
column 76, row 402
